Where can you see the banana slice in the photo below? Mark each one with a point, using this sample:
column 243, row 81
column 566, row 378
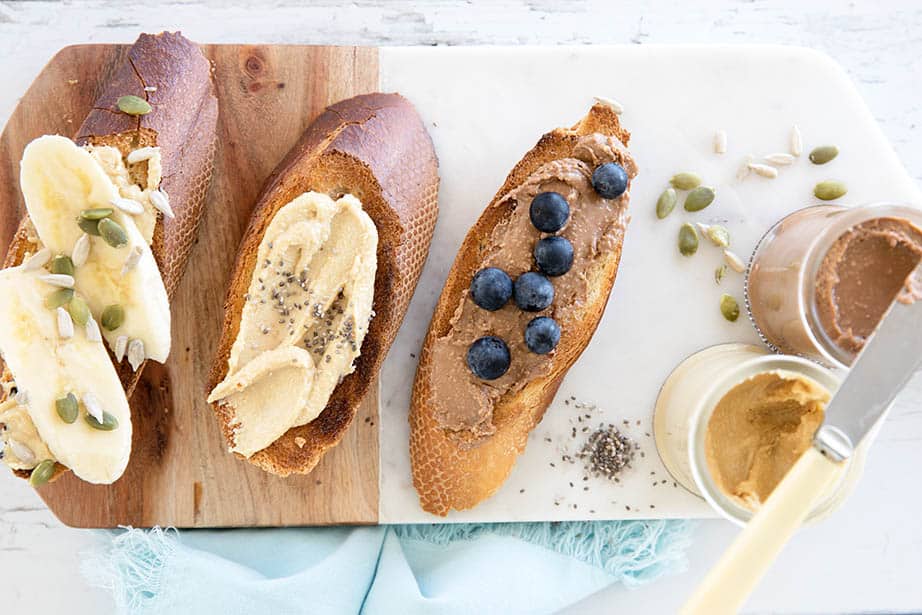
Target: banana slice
column 47, row 367
column 59, row 181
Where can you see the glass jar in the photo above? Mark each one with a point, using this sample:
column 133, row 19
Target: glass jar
column 690, row 395
column 781, row 280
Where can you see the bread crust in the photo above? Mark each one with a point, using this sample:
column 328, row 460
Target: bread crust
column 450, row 476
column 375, row 147
column 182, row 123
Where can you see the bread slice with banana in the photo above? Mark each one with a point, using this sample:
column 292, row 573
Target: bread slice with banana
column 84, row 296
column 521, row 302
column 323, row 278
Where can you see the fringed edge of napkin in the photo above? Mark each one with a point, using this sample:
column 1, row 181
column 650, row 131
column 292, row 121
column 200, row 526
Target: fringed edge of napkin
column 634, row 552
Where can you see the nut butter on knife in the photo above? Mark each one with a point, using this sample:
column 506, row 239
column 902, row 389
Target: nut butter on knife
column 883, row 368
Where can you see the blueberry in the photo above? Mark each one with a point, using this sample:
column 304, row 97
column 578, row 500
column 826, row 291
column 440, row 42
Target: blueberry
column 549, row 212
column 554, row 255
column 542, row 335
column 609, row 180
column 491, row 288
column 488, row 357
column 533, row 292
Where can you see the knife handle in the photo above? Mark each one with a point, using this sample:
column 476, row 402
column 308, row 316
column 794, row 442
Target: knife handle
column 729, row 583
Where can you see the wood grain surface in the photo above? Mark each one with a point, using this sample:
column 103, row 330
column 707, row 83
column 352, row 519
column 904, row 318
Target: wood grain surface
column 180, row 473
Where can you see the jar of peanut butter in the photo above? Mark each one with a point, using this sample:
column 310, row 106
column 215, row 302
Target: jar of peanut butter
column 732, row 419
column 822, row 278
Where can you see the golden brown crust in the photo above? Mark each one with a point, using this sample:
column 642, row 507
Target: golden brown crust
column 374, row 147
column 448, row 476
column 182, row 123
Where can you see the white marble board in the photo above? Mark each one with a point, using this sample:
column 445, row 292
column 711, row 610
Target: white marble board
column 486, row 106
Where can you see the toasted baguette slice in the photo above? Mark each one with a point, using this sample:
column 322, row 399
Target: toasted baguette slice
column 453, row 470
column 182, row 123
column 376, row 148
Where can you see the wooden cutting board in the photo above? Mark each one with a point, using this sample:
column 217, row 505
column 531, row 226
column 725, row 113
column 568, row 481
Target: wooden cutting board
column 180, row 472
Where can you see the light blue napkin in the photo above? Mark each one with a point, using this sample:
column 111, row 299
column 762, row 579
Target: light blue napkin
column 412, row 569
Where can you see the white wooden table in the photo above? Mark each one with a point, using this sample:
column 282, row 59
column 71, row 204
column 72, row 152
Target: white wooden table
column 866, row 557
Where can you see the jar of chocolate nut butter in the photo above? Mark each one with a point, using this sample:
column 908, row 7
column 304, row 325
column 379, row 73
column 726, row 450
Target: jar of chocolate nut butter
column 822, row 278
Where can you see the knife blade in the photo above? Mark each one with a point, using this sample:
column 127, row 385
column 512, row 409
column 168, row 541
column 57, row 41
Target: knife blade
column 886, row 363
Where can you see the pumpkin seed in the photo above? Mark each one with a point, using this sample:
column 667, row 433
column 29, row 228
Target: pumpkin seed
column 699, row 198
column 112, row 317
column 42, row 473
column 829, row 190
column 729, row 308
column 685, row 181
column 719, row 235
column 823, row 154
column 90, row 227
column 108, row 423
column 97, row 213
column 666, row 203
column 66, row 408
column 112, row 233
column 133, row 105
column 688, row 240
column 719, row 274
column 78, row 311
column 62, row 264
column 59, row 298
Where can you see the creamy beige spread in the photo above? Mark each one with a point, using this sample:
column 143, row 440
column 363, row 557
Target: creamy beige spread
column 759, row 429
column 304, row 319
column 861, row 274
column 464, row 405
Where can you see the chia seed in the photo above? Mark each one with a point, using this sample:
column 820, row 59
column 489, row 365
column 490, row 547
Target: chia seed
column 607, row 452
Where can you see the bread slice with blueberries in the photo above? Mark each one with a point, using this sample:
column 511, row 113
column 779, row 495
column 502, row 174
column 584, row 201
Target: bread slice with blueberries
column 521, row 302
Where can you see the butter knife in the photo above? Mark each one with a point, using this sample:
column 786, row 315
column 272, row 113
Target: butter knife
column 889, row 359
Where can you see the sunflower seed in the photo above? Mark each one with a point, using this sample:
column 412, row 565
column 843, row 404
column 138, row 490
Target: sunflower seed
column 612, row 104
column 699, row 198
column 764, row 170
column 121, row 344
column 720, row 142
column 62, row 264
column 66, row 407
column 92, row 405
column 136, row 354
column 93, row 333
column 730, row 308
column 719, row 235
column 21, row 397
column 81, row 251
column 829, row 190
column 735, row 262
column 744, row 169
column 823, row 154
column 21, row 451
column 150, row 88
column 129, row 206
column 61, row 280
column 132, row 261
column 133, row 105
column 688, row 240
column 37, row 260
column 112, row 233
column 666, row 203
column 65, row 324
column 780, row 160
column 797, row 142
column 685, row 181
column 141, row 154
column 161, row 201
column 42, row 473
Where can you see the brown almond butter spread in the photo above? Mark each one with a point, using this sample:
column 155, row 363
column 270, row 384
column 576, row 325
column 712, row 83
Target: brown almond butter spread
column 861, row 274
column 464, row 403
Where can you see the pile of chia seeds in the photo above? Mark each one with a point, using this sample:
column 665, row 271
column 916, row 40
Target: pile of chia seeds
column 607, row 452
